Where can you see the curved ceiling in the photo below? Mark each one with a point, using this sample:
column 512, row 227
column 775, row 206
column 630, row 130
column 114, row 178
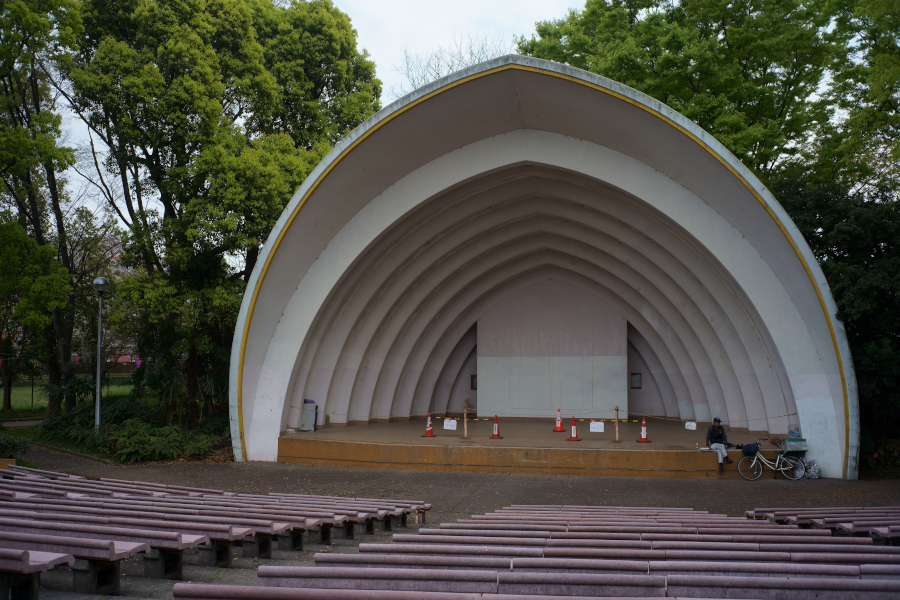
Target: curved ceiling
column 514, row 172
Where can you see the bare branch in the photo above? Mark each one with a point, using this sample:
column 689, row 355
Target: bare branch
column 462, row 52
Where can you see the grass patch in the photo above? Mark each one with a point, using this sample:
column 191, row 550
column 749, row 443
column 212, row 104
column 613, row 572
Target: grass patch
column 30, row 402
column 33, row 433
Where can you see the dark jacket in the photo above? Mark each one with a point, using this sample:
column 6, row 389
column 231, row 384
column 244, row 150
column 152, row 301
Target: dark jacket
column 716, row 435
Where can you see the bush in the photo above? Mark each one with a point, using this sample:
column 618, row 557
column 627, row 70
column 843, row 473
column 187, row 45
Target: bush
column 10, row 446
column 136, row 440
column 128, row 436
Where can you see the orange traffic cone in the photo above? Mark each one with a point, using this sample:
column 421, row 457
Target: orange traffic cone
column 496, row 435
column 429, row 430
column 573, row 437
column 559, row 426
column 644, row 439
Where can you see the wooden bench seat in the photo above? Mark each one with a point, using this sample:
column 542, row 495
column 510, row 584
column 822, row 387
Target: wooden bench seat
column 394, row 579
column 752, row 569
column 453, row 549
column 97, row 561
column 800, row 588
column 31, row 561
column 575, row 584
column 194, row 591
column 879, row 571
column 370, row 560
column 580, row 565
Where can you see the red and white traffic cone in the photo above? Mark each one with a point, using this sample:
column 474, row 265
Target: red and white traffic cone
column 496, row 435
column 559, row 426
column 429, row 430
column 573, row 437
column 644, row 439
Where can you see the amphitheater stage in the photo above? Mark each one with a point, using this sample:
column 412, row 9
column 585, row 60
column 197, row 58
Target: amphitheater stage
column 527, row 447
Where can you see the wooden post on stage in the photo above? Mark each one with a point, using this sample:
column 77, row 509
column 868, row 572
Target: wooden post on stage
column 466, row 420
column 617, row 424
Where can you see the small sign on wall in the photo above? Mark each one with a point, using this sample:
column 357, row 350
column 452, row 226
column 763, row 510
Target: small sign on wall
column 450, row 424
column 596, row 426
column 690, row 425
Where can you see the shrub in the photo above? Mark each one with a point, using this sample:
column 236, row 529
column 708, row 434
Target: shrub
column 10, row 446
column 128, row 436
column 136, row 440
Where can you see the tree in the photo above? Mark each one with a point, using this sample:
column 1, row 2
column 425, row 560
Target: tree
column 204, row 118
column 32, row 34
column 747, row 71
column 856, row 238
column 32, row 285
column 863, row 149
column 421, row 69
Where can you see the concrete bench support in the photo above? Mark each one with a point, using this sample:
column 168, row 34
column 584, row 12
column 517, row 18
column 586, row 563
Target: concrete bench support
column 291, row 540
column 164, row 564
column 96, row 577
column 342, row 532
column 215, row 554
column 325, row 534
column 382, row 524
column 16, row 586
column 257, row 546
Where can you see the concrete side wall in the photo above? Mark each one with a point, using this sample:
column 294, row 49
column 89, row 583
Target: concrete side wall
column 549, row 346
column 647, row 400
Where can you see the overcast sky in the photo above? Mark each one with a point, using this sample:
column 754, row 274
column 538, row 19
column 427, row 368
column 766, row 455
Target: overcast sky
column 386, row 27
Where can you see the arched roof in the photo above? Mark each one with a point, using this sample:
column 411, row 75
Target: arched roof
column 516, row 171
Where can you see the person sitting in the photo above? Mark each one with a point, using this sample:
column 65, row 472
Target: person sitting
column 716, row 440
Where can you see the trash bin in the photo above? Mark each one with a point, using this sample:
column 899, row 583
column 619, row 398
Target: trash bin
column 308, row 415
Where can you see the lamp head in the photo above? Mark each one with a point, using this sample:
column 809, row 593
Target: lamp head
column 101, row 284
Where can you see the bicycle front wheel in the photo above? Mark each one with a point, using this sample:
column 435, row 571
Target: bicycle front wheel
column 750, row 468
column 792, row 467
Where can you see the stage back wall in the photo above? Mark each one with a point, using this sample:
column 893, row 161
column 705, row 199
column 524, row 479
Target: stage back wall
column 602, row 233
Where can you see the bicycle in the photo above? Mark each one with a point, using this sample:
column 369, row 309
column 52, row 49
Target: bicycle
column 751, row 467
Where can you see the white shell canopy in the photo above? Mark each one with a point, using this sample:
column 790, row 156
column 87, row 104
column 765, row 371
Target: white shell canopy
column 514, row 172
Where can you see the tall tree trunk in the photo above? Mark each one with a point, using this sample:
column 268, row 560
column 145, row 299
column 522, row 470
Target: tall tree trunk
column 54, row 373
column 250, row 262
column 64, row 325
column 7, row 390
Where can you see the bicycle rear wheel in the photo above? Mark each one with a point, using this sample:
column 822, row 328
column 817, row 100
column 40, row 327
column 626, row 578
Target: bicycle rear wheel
column 792, row 467
column 750, row 468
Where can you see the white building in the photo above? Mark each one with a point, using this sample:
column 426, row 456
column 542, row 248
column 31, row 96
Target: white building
column 564, row 239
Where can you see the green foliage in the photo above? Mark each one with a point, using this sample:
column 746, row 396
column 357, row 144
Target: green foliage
column 11, row 446
column 129, row 434
column 745, row 71
column 856, row 238
column 136, row 440
column 32, row 283
column 864, row 150
column 215, row 111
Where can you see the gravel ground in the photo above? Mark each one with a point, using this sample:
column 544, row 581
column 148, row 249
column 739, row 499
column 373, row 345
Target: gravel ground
column 453, row 495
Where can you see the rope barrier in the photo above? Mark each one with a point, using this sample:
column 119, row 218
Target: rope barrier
column 543, row 415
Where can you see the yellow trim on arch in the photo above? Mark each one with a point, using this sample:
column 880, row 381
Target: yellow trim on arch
column 701, row 143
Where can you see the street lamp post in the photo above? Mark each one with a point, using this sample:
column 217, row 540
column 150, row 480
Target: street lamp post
column 101, row 284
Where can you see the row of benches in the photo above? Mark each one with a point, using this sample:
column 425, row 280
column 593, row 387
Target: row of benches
column 99, row 523
column 577, row 551
column 881, row 523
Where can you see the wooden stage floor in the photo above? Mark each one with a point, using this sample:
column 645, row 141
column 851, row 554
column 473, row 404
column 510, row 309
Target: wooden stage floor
column 526, row 447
